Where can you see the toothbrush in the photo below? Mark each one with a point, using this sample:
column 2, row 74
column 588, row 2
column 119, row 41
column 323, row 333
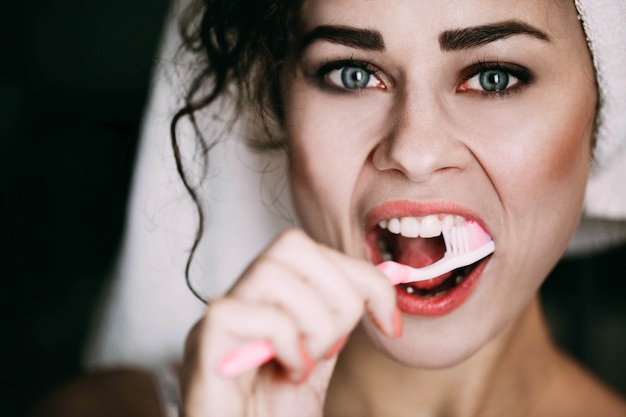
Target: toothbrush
column 466, row 244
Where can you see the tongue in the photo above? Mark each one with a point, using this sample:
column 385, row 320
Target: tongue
column 419, row 252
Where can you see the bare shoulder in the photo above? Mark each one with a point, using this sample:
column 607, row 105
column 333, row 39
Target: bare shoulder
column 116, row 392
column 582, row 394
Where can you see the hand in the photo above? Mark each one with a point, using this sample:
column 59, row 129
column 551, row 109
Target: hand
column 301, row 300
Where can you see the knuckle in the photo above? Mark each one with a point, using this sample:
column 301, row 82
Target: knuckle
column 257, row 281
column 292, row 234
column 352, row 307
column 289, row 240
column 349, row 315
column 217, row 313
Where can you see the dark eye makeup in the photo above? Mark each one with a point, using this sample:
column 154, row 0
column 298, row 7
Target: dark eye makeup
column 489, row 79
column 348, row 76
column 494, row 79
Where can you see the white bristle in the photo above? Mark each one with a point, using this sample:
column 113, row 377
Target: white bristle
column 465, row 237
column 446, row 239
column 457, row 239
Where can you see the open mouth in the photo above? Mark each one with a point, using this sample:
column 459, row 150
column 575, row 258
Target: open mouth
column 419, row 242
column 455, row 278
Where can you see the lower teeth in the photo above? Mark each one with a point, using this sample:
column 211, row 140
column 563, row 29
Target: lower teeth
column 422, row 293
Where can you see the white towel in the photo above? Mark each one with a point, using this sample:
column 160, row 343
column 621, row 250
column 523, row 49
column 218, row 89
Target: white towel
column 604, row 223
column 604, row 22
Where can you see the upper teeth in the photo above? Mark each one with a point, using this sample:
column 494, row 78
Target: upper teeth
column 427, row 226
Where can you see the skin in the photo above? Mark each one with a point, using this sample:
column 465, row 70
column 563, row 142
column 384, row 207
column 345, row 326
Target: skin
column 421, row 140
column 420, row 131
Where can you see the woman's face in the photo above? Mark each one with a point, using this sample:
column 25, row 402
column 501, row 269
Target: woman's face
column 413, row 108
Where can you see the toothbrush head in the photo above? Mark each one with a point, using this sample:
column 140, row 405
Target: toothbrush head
column 464, row 238
column 466, row 244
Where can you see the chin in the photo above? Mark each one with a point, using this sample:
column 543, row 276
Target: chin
column 430, row 354
column 444, row 342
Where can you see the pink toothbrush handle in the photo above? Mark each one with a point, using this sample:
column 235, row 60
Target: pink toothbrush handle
column 254, row 354
column 246, row 357
column 397, row 273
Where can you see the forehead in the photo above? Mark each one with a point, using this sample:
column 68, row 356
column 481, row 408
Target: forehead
column 417, row 19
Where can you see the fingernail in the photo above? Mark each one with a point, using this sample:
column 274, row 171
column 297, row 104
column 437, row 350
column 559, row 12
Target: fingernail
column 307, row 364
column 389, row 331
column 396, row 322
column 397, row 273
column 244, row 358
column 336, row 348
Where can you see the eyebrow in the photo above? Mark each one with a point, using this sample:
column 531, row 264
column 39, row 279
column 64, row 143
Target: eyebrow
column 355, row 38
column 472, row 37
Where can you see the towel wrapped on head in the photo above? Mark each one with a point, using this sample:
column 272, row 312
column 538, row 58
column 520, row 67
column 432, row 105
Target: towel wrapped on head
column 604, row 224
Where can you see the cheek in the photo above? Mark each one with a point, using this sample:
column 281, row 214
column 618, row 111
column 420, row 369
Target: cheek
column 547, row 158
column 317, row 156
column 539, row 166
column 328, row 147
column 541, row 182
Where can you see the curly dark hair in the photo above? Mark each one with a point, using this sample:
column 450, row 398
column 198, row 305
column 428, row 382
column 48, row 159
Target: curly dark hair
column 241, row 44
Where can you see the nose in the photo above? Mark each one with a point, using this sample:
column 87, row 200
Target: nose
column 422, row 141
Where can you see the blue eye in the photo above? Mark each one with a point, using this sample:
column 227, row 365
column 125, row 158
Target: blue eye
column 354, row 77
column 350, row 75
column 494, row 80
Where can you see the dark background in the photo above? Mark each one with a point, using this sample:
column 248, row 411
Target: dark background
column 73, row 83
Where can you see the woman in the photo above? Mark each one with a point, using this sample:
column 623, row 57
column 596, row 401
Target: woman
column 396, row 117
column 413, row 110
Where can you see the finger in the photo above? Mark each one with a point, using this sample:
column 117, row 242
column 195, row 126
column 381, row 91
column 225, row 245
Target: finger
column 271, row 283
column 363, row 286
column 329, row 281
column 374, row 287
column 245, row 358
column 233, row 323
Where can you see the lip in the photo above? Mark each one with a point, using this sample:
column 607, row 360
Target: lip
column 405, row 208
column 443, row 304
column 407, row 303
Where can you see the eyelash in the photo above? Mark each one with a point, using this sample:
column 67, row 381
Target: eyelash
column 324, row 71
column 523, row 75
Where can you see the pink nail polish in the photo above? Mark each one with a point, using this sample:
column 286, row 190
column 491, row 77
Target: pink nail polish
column 396, row 321
column 244, row 358
column 336, row 348
column 307, row 362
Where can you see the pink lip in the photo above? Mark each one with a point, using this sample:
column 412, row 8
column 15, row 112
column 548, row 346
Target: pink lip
column 443, row 304
column 404, row 208
column 410, row 304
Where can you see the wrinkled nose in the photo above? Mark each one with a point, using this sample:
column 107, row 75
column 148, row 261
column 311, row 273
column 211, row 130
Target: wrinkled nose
column 422, row 141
